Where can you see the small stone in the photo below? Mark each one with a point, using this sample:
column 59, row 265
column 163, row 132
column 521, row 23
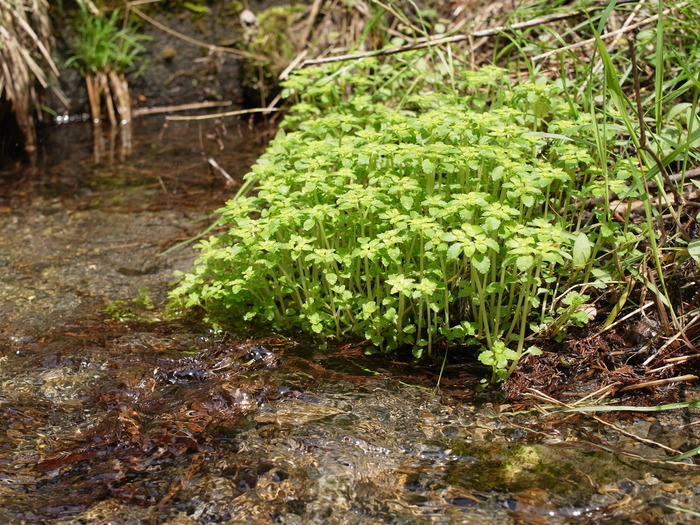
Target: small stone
column 167, row 53
column 627, row 487
column 608, row 489
column 671, row 487
column 649, row 480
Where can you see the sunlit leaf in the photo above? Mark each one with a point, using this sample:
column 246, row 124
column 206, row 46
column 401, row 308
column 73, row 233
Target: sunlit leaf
column 454, row 251
column 694, row 250
column 582, row 250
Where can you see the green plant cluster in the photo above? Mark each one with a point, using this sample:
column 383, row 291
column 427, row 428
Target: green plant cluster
column 104, row 43
column 409, row 204
column 140, row 308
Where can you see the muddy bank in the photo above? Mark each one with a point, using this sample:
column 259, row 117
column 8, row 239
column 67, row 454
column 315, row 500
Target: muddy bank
column 176, row 67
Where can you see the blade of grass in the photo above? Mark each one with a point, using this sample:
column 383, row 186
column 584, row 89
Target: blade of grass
column 681, row 509
column 627, row 408
column 685, row 455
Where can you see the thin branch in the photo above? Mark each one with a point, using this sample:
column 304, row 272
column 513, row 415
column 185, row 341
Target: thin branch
column 681, row 175
column 630, row 20
column 284, row 75
column 181, row 107
column 671, row 341
column 601, row 394
column 436, row 41
column 605, row 36
column 196, row 42
column 621, row 320
column 659, row 382
column 221, row 170
column 315, row 9
column 536, row 394
column 225, row 114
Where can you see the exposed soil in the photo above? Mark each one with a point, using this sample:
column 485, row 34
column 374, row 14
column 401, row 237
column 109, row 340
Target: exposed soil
column 178, row 71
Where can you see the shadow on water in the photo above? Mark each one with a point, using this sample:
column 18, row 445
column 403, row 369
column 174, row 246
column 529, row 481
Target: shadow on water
column 146, row 420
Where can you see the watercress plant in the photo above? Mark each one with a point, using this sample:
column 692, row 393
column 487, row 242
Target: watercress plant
column 408, row 205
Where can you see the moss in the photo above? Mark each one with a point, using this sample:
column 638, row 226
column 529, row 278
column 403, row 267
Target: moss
column 273, row 39
column 140, row 308
column 554, row 468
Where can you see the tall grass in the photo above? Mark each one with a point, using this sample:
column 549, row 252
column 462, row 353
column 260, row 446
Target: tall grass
column 633, row 67
column 658, row 121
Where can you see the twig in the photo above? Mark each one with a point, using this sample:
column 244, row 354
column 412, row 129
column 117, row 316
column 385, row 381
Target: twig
column 274, row 102
column 196, row 42
column 162, row 185
column 284, row 75
column 423, row 43
column 651, row 184
column 669, row 366
column 538, row 394
column 315, row 8
column 181, row 107
column 622, row 319
column 659, row 382
column 656, row 371
column 639, row 457
column 637, row 8
column 604, row 36
column 399, row 16
column 689, row 174
column 221, row 170
column 650, row 283
column 601, row 392
column 680, row 359
column 599, row 63
column 224, row 114
column 671, row 341
column 636, row 437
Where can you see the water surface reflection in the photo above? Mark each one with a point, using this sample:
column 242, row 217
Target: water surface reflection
column 148, row 420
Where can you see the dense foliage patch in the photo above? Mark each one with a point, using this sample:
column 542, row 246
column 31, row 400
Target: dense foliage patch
column 411, row 205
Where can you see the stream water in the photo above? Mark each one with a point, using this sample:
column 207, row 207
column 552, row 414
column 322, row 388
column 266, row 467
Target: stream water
column 111, row 414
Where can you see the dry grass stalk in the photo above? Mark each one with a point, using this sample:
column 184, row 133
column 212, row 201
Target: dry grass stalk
column 109, row 89
column 25, row 57
column 99, row 91
column 540, row 396
column 660, row 382
column 186, row 38
column 119, row 86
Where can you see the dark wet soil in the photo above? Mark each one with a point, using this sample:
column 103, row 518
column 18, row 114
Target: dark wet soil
column 179, row 71
column 114, row 413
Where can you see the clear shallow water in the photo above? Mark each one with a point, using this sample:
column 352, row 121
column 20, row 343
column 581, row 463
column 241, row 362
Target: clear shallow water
column 163, row 422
